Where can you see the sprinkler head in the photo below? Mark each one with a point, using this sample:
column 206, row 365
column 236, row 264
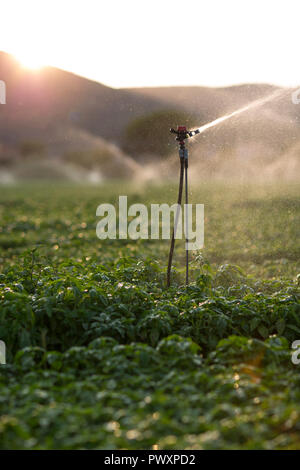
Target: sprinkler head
column 181, row 133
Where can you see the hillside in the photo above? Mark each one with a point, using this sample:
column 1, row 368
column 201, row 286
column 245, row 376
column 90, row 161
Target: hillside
column 70, row 113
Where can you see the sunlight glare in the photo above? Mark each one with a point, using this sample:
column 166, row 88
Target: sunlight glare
column 30, row 59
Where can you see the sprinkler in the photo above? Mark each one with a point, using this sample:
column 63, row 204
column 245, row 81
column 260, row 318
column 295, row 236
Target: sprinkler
column 181, row 135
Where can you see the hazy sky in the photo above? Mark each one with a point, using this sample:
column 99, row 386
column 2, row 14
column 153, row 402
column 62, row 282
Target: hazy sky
column 126, row 43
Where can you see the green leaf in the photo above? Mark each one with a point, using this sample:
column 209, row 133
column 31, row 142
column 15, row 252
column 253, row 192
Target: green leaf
column 280, row 326
column 263, row 331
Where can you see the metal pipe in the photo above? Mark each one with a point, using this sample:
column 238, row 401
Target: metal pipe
column 181, row 134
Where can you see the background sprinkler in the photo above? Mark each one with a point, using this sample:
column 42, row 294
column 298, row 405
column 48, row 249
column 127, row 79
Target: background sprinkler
column 181, row 135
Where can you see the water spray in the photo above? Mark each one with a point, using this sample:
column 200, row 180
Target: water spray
column 248, row 107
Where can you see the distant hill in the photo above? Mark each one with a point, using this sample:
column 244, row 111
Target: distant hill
column 68, row 112
column 40, row 102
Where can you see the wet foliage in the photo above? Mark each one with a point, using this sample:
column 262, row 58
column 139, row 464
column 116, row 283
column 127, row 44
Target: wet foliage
column 100, row 355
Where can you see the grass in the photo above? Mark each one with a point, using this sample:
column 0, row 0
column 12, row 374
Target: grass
column 101, row 355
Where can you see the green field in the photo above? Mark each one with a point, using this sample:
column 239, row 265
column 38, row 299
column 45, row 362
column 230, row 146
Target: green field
column 100, row 355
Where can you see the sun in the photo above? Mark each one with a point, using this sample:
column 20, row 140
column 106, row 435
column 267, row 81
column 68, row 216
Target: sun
column 29, row 59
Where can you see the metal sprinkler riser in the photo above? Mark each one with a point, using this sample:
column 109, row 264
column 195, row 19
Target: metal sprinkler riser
column 181, row 135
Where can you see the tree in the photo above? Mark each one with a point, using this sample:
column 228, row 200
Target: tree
column 149, row 134
column 32, row 148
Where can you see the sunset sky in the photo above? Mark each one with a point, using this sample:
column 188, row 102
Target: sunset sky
column 160, row 42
